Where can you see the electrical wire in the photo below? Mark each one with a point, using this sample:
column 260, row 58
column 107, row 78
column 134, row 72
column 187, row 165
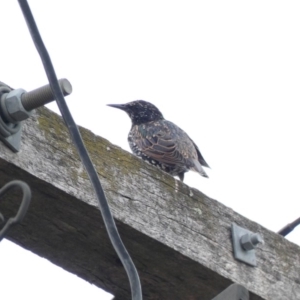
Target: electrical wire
column 289, row 227
column 116, row 241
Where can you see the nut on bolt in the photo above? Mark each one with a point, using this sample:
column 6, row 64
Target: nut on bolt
column 17, row 105
column 15, row 112
column 249, row 241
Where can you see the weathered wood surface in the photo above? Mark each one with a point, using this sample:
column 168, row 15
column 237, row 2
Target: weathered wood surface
column 179, row 238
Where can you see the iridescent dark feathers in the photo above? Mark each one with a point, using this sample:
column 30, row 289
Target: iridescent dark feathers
column 161, row 142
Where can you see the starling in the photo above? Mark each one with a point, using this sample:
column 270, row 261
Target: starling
column 161, row 142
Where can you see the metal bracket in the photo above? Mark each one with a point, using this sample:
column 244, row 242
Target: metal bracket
column 10, row 134
column 233, row 292
column 244, row 243
column 13, row 141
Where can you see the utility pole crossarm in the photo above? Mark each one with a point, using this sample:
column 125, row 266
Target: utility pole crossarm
column 179, row 239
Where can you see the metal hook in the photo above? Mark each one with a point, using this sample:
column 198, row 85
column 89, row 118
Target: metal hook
column 23, row 207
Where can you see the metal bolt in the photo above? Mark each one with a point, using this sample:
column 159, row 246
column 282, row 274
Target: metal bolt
column 17, row 105
column 249, row 241
column 44, row 95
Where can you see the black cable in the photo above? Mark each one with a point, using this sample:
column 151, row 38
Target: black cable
column 23, row 207
column 289, row 227
column 77, row 140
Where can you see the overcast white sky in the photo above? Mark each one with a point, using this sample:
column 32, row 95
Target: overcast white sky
column 227, row 72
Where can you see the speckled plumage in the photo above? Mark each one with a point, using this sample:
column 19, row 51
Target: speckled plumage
column 161, row 142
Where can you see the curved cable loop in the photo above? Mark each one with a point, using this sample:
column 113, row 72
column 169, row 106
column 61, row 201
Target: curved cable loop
column 23, row 207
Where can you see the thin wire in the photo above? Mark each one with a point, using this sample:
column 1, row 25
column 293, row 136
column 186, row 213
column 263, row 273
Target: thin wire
column 23, row 207
column 116, row 241
column 289, row 227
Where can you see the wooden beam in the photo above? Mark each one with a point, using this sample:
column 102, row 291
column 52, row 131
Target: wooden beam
column 179, row 239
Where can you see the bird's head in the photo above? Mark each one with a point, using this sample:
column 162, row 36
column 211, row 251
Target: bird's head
column 140, row 111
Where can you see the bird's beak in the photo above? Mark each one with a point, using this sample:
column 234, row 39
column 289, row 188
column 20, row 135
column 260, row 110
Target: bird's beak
column 120, row 106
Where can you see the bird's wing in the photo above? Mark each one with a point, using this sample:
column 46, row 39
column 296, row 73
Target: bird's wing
column 162, row 144
column 162, row 149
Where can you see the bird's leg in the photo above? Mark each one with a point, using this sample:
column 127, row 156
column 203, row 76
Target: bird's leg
column 181, row 176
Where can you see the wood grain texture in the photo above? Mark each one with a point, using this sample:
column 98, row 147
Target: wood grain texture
column 179, row 238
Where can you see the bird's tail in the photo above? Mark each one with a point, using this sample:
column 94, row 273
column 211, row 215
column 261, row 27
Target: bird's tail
column 198, row 168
